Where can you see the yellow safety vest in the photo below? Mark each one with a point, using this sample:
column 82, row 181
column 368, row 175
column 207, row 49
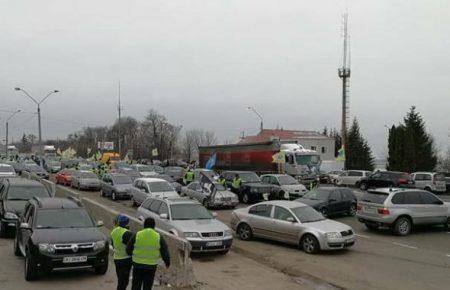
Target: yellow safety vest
column 147, row 247
column 120, row 252
column 236, row 184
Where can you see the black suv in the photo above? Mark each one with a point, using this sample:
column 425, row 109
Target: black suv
column 59, row 234
column 252, row 189
column 14, row 195
column 386, row 179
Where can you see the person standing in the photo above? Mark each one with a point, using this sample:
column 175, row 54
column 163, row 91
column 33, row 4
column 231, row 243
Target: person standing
column 147, row 247
column 120, row 236
column 236, row 184
column 189, row 176
column 222, row 180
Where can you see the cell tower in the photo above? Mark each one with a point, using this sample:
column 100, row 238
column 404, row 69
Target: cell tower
column 344, row 74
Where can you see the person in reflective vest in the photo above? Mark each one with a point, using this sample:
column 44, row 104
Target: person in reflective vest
column 147, row 247
column 189, row 176
column 120, row 236
column 236, row 183
column 222, row 180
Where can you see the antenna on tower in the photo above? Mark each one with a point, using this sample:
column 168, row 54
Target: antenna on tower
column 344, row 74
column 119, row 109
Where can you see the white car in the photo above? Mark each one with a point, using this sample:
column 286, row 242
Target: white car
column 430, row 181
column 146, row 187
column 288, row 184
column 351, row 177
column 144, row 170
column 6, row 170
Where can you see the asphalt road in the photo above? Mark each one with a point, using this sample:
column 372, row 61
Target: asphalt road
column 378, row 260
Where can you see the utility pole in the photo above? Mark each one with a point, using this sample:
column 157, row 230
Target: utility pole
column 7, row 129
column 119, row 108
column 41, row 151
column 344, row 74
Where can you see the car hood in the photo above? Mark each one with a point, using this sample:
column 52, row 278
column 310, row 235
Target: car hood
column 15, row 206
column 123, row 187
column 210, row 225
column 326, row 226
column 90, row 180
column 258, row 185
column 62, row 236
column 165, row 194
column 224, row 193
column 311, row 202
column 293, row 187
column 148, row 173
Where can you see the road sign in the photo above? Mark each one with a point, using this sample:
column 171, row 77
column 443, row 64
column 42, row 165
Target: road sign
column 155, row 152
column 279, row 158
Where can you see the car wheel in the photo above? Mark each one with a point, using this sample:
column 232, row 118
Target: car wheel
column 363, row 186
column 324, row 212
column 352, row 210
column 310, row 244
column 101, row 270
column 113, row 195
column 2, row 230
column 428, row 189
column 30, row 268
column 245, row 198
column 402, row 226
column 371, row 227
column 357, row 184
column 244, row 232
column 17, row 251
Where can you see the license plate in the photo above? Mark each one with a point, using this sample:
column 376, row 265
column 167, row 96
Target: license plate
column 266, row 196
column 79, row 259
column 214, row 244
column 369, row 209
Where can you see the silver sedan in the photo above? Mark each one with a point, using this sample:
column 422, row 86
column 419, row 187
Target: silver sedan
column 294, row 223
column 220, row 198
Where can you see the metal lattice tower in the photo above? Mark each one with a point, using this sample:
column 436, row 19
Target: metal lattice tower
column 344, row 74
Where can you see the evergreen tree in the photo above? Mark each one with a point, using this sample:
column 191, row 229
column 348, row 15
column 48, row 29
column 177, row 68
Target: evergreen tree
column 357, row 152
column 337, row 140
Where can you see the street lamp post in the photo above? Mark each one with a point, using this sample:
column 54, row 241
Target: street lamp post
column 7, row 130
column 259, row 116
column 41, row 153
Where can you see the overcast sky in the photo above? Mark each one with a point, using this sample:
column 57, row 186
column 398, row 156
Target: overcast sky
column 201, row 63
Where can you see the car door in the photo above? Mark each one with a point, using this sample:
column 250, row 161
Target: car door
column 347, row 198
column 260, row 220
column 140, row 192
column 415, row 207
column 106, row 188
column 344, row 177
column 164, row 223
column 419, row 180
column 2, row 198
column 144, row 209
column 283, row 226
column 26, row 233
column 154, row 212
column 434, row 209
column 190, row 189
column 335, row 202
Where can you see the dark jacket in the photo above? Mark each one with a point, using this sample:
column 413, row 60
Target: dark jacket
column 164, row 250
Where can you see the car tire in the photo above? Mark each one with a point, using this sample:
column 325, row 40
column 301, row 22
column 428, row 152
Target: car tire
column 310, row 244
column 17, row 251
column 352, row 210
column 371, row 227
column 363, row 186
column 113, row 196
column 30, row 270
column 357, row 184
column 428, row 189
column 324, row 212
column 101, row 270
column 244, row 232
column 2, row 230
column 402, row 226
column 245, row 198
column 206, row 203
column 102, row 193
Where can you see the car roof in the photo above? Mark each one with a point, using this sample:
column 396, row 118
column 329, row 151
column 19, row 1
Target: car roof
column 275, row 175
column 23, row 182
column 424, row 172
column 5, row 165
column 118, row 174
column 178, row 200
column 389, row 190
column 238, row 172
column 56, row 203
column 284, row 203
column 151, row 179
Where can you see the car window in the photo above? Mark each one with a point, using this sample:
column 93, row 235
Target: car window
column 347, row 194
column 428, row 198
column 426, row 176
column 265, row 179
column 193, row 186
column 335, row 195
column 398, row 198
column 261, row 210
column 154, row 207
column 163, row 208
column 29, row 217
column 376, row 175
column 281, row 213
column 146, row 204
column 355, row 173
column 412, row 197
column 374, row 197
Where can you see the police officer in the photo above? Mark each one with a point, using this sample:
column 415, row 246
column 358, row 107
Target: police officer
column 189, row 176
column 147, row 248
column 120, row 236
column 236, row 183
column 222, row 180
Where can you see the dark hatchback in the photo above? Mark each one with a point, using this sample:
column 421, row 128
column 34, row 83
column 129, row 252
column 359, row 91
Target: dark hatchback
column 386, row 179
column 14, row 195
column 58, row 234
column 331, row 201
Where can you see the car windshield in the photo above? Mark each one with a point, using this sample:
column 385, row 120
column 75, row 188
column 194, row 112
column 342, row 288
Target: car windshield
column 374, row 197
column 439, row 177
column 63, row 218
column 26, row 192
column 6, row 169
column 307, row 214
column 160, row 186
column 306, row 159
column 287, row 180
column 144, row 168
column 190, row 212
column 88, row 175
column 219, row 187
column 123, row 180
column 249, row 177
column 317, row 194
column 158, row 169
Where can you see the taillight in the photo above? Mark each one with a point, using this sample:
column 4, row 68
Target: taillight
column 402, row 181
column 383, row 211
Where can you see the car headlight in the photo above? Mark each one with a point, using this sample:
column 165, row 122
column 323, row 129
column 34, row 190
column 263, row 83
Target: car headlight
column 11, row 216
column 335, row 235
column 99, row 245
column 191, row 235
column 47, row 248
column 286, row 195
column 228, row 233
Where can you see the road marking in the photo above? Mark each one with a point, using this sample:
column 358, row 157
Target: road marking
column 406, row 246
column 362, row 236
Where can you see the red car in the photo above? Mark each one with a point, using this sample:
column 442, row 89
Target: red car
column 64, row 177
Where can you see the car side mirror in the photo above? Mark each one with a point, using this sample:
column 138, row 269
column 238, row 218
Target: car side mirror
column 214, row 214
column 25, row 226
column 99, row 223
column 290, row 219
column 164, row 216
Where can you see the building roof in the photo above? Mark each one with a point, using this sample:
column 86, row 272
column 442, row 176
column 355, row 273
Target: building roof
column 269, row 134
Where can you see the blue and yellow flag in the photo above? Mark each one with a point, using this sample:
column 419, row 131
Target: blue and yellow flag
column 341, row 154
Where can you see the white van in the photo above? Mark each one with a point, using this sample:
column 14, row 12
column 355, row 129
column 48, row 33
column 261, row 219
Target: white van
column 430, row 181
column 351, row 177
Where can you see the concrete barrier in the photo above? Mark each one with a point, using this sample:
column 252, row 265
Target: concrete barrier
column 180, row 274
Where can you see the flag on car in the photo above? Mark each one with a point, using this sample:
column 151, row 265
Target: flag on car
column 341, row 154
column 207, row 183
column 211, row 162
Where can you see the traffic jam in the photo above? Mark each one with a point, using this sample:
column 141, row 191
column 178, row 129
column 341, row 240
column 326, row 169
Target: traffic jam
column 261, row 191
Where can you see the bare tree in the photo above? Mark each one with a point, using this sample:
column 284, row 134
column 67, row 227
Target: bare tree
column 194, row 139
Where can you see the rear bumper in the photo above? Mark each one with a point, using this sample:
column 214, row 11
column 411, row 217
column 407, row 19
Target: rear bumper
column 378, row 221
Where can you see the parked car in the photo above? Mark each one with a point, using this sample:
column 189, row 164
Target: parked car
column 64, row 177
column 386, row 179
column 59, row 234
column 151, row 187
column 52, row 166
column 84, row 179
column 14, row 194
column 128, row 171
column 37, row 170
column 329, row 177
column 288, row 184
column 351, row 177
column 220, row 197
column 252, row 189
column 291, row 222
column 116, row 185
column 401, row 209
column 18, row 167
column 144, row 170
column 431, row 181
column 169, row 179
column 177, row 173
column 330, row 201
column 188, row 219
column 6, row 170
column 208, row 172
